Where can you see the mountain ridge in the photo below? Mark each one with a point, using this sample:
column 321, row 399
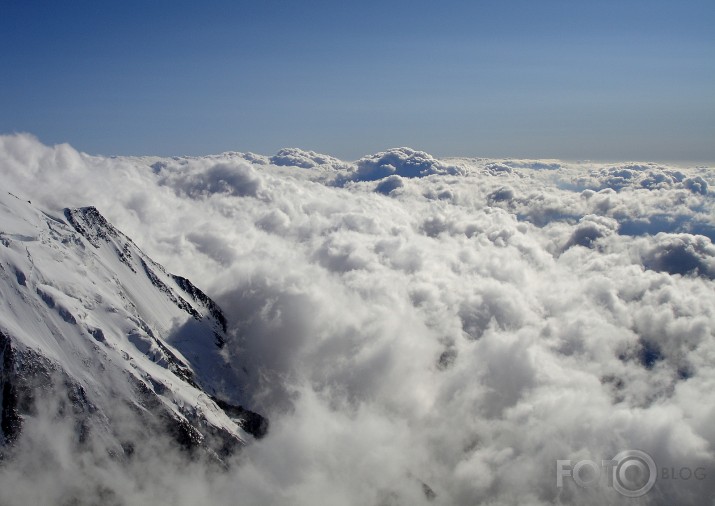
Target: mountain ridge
column 92, row 322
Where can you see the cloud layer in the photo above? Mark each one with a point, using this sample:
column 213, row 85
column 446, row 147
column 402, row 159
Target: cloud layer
column 419, row 330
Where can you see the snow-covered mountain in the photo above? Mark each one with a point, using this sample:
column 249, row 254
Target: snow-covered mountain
column 91, row 326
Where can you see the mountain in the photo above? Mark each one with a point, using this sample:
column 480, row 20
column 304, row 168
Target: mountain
column 94, row 329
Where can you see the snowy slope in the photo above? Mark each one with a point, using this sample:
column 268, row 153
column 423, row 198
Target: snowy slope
column 85, row 311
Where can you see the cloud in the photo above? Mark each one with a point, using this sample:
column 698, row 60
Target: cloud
column 505, row 193
column 681, row 254
column 591, row 228
column 404, row 162
column 238, row 179
column 696, row 185
column 429, row 332
column 640, row 175
column 534, row 164
column 294, row 157
column 389, row 184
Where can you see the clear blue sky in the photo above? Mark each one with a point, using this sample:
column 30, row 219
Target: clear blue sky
column 574, row 79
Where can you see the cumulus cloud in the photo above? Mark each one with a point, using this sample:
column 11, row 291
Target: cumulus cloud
column 505, row 193
column 389, row 184
column 416, row 340
column 238, row 179
column 404, row 162
column 681, row 254
column 294, row 157
column 651, row 176
column 591, row 228
column 696, row 184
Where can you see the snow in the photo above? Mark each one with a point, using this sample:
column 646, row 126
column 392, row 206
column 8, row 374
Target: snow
column 73, row 291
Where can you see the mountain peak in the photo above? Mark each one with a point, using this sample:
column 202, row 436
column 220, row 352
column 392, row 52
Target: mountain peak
column 84, row 308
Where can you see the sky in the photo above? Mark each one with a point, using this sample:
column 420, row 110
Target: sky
column 607, row 80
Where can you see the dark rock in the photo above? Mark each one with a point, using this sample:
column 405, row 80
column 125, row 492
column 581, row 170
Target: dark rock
column 251, row 422
column 199, row 296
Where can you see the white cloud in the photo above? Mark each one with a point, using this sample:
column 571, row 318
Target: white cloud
column 294, row 157
column 403, row 162
column 460, row 332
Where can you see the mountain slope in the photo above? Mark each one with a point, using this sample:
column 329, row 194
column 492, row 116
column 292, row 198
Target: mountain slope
column 90, row 323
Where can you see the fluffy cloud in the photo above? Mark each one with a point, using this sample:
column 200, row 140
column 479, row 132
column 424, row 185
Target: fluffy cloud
column 294, row 157
column 681, row 254
column 416, row 340
column 238, row 179
column 403, row 162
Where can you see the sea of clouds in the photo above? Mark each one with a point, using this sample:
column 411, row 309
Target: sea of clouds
column 418, row 331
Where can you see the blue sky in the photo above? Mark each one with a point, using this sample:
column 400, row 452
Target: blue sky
column 572, row 79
